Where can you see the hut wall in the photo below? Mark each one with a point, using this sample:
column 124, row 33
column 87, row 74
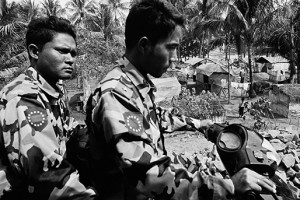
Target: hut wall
column 285, row 103
column 280, row 103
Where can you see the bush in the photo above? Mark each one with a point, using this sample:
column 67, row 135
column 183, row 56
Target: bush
column 203, row 106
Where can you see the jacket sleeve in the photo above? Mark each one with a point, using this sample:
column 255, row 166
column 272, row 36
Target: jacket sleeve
column 33, row 163
column 137, row 145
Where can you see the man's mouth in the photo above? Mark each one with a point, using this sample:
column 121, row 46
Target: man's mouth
column 70, row 70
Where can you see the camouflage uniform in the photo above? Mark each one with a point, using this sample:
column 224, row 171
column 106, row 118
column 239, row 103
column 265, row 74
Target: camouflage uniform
column 35, row 128
column 128, row 148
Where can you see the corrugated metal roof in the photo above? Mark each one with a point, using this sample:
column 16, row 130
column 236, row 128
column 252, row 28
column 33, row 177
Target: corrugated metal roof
column 276, row 59
column 194, row 60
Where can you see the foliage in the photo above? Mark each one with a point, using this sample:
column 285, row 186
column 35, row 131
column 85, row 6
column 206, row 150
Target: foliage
column 103, row 21
column 262, row 106
column 255, row 22
column 11, row 33
column 96, row 52
column 189, row 48
column 284, row 38
column 203, row 106
column 29, row 10
column 118, row 10
column 80, row 11
column 52, row 8
column 12, row 29
column 260, row 110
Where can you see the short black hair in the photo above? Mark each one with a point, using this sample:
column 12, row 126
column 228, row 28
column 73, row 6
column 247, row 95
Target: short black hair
column 154, row 19
column 42, row 30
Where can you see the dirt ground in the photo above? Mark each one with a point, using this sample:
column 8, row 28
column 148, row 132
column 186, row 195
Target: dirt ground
column 194, row 142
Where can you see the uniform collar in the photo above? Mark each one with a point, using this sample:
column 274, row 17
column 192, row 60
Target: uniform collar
column 44, row 85
column 144, row 84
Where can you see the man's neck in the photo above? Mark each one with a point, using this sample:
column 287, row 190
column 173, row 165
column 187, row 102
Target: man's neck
column 135, row 59
column 48, row 79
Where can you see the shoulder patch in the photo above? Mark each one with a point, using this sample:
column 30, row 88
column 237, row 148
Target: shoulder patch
column 37, row 118
column 134, row 122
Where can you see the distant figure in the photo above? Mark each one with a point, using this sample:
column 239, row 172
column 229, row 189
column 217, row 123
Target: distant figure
column 241, row 108
column 281, row 76
column 195, row 76
column 242, row 75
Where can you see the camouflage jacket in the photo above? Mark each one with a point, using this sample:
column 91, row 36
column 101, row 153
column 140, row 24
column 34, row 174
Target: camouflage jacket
column 35, row 127
column 128, row 148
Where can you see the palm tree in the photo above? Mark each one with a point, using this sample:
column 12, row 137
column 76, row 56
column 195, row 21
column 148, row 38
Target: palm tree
column 11, row 31
column 103, row 21
column 118, row 9
column 52, row 8
column 29, row 10
column 183, row 6
column 216, row 23
column 246, row 20
column 283, row 36
column 196, row 15
column 3, row 7
column 190, row 44
column 81, row 11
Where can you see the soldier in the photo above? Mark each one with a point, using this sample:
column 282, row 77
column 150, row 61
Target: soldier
column 126, row 128
column 35, row 124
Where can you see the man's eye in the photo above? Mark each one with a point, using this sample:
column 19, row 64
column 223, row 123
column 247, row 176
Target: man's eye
column 172, row 47
column 64, row 51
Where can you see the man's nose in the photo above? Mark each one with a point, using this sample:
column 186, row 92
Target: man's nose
column 173, row 60
column 173, row 57
column 70, row 59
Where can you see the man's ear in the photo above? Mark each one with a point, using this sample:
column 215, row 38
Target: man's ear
column 33, row 51
column 143, row 44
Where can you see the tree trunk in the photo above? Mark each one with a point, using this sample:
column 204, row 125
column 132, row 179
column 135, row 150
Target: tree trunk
column 251, row 91
column 227, row 47
column 202, row 47
column 298, row 64
column 229, row 81
column 3, row 8
column 178, row 54
column 238, row 43
column 292, row 64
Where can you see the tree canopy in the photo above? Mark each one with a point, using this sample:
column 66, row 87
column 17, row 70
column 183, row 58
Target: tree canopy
column 256, row 27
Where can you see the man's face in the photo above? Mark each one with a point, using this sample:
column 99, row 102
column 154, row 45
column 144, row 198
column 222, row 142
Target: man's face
column 56, row 59
column 161, row 56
